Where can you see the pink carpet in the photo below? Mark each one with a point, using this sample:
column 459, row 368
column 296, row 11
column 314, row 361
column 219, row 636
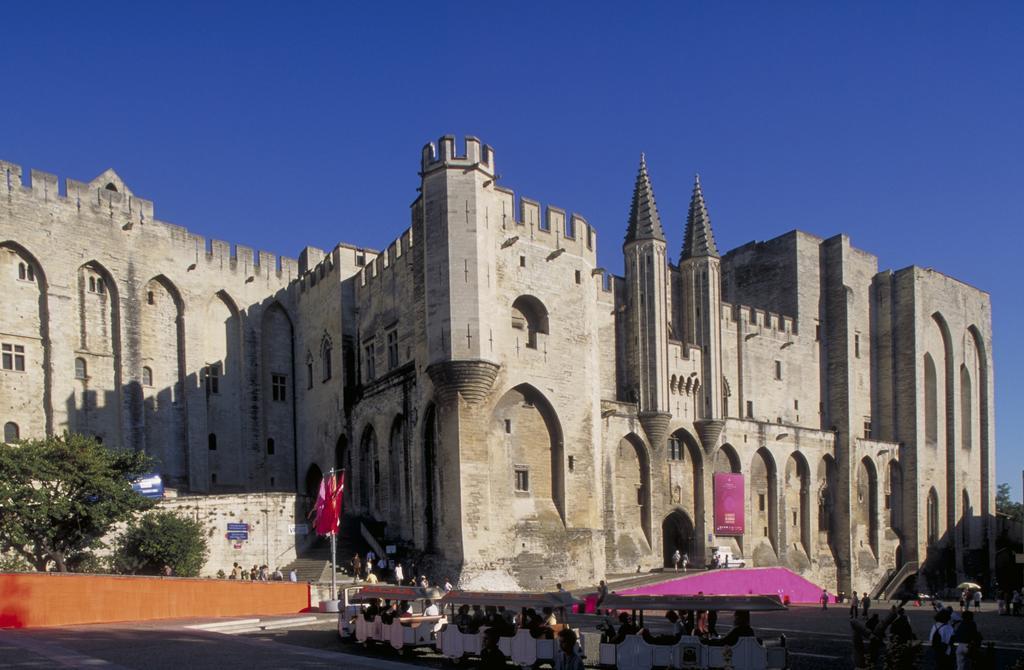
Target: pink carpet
column 742, row 581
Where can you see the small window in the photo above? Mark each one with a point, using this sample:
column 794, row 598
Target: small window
column 213, row 478
column 360, row 260
column 817, row 332
column 760, row 502
column 764, row 529
column 211, row 442
column 796, row 404
column 392, row 350
column 271, row 481
column 309, row 372
column 278, row 387
column 212, row 379
column 81, row 371
column 13, row 357
column 370, row 363
column 270, row 446
column 11, row 432
column 675, row 449
column 794, row 517
column 92, row 284
column 522, row 261
column 508, row 426
column 31, row 272
column 640, row 495
column 147, row 376
column 579, row 277
column 149, row 298
column 867, row 429
column 572, row 464
column 750, row 409
column 100, row 286
column 22, row 274
column 778, row 370
column 522, row 479
column 856, row 346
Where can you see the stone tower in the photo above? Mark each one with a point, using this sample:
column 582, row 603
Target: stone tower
column 700, row 270
column 647, row 312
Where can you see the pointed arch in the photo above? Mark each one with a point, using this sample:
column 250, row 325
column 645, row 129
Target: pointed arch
column 949, row 437
column 535, row 443
column 764, row 497
column 797, row 510
column 97, row 410
column 396, row 467
column 633, row 485
column 221, row 374
column 983, row 420
column 277, row 384
column 431, row 480
column 931, row 402
column 966, row 521
column 29, row 299
column 161, row 348
column 369, row 471
column 727, row 460
column 827, row 480
column 530, row 315
column 866, row 503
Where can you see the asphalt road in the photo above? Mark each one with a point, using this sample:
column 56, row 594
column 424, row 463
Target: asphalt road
column 816, row 640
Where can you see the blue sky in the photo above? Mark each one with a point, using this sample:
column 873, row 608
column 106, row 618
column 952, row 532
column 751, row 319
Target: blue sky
column 282, row 125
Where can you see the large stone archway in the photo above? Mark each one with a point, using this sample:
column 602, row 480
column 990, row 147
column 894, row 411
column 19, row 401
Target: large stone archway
column 678, row 533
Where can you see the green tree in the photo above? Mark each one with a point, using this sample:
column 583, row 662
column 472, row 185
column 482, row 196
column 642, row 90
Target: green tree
column 159, row 539
column 60, row 495
column 1004, row 505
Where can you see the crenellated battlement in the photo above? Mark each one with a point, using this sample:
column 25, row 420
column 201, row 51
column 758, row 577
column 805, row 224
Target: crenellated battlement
column 547, row 225
column 444, row 154
column 735, row 315
column 386, row 260
column 107, row 198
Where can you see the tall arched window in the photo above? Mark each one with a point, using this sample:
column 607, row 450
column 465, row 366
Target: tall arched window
column 11, row 432
column 966, row 409
column 933, row 516
column 80, row 368
column 147, row 376
column 931, row 402
column 211, row 441
column 325, row 356
column 21, row 272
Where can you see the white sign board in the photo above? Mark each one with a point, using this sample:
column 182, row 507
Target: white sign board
column 298, row 529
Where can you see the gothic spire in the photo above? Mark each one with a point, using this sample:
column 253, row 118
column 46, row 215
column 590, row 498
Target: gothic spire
column 644, row 222
column 698, row 240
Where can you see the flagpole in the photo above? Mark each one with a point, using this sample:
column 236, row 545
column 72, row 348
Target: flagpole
column 334, row 567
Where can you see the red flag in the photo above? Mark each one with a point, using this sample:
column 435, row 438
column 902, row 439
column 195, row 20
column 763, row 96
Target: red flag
column 329, row 513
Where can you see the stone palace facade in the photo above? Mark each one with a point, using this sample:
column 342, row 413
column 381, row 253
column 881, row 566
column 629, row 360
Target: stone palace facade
column 501, row 401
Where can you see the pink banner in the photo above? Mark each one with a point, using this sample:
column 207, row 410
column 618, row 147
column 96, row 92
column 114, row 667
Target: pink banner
column 729, row 502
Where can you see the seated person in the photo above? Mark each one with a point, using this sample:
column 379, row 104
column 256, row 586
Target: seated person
column 491, row 616
column 491, row 657
column 389, row 613
column 463, row 621
column 372, row 610
column 740, row 629
column 668, row 638
column 430, row 609
column 404, row 608
column 477, row 619
column 626, row 627
column 569, row 655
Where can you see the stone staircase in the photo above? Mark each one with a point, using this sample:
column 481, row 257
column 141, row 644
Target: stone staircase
column 314, row 564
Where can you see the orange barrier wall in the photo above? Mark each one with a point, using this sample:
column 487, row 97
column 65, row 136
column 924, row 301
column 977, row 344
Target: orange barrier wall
column 50, row 599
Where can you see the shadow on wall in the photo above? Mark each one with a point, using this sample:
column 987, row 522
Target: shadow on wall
column 941, row 568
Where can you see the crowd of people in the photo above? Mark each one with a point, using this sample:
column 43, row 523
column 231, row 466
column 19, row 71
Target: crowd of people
column 375, row 569
column 260, row 573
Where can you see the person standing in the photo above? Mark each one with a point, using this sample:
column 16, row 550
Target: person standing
column 967, row 640
column 686, row 562
column 399, row 574
column 824, row 599
column 865, row 604
column 977, row 600
column 854, row 605
column 602, row 593
column 357, row 568
column 676, row 558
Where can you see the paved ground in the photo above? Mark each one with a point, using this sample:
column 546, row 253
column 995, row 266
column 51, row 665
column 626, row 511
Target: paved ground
column 816, row 640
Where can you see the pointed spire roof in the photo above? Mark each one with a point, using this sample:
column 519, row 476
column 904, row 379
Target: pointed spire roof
column 698, row 240
column 644, row 222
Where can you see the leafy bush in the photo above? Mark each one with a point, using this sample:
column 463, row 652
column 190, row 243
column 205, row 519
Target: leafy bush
column 161, row 539
column 902, row 655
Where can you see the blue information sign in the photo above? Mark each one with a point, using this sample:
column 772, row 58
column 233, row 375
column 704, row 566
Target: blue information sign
column 238, row 526
column 238, row 535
